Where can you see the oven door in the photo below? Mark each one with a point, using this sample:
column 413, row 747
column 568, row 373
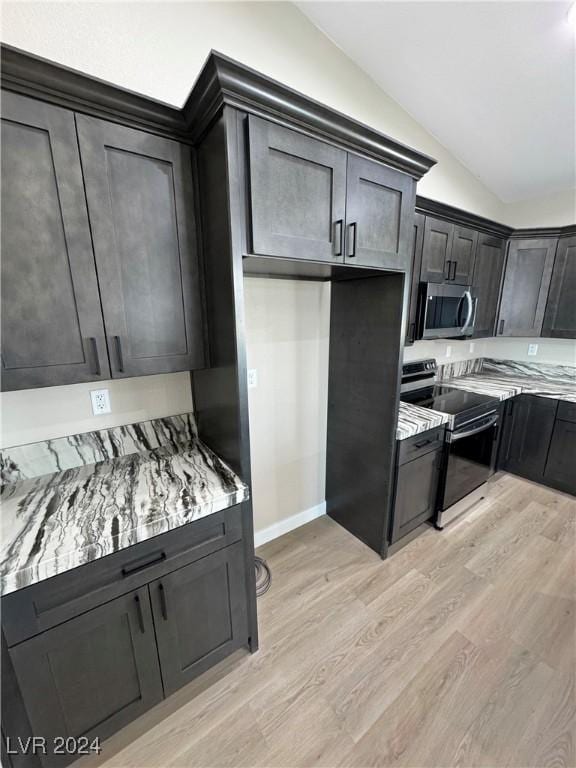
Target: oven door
column 471, row 457
column 446, row 311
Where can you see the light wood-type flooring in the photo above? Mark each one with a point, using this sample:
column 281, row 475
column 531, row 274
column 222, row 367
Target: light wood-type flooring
column 460, row 650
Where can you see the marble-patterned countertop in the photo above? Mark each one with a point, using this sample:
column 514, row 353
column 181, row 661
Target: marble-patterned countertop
column 55, row 522
column 504, row 379
column 500, row 379
column 413, row 419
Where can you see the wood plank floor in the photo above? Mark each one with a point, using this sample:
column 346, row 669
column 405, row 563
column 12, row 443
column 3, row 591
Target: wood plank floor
column 460, row 650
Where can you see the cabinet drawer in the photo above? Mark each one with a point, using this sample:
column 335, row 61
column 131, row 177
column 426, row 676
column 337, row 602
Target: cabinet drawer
column 48, row 603
column 419, row 445
column 566, row 411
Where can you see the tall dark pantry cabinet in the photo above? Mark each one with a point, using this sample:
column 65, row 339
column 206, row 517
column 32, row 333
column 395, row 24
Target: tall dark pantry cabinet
column 248, row 178
column 297, row 191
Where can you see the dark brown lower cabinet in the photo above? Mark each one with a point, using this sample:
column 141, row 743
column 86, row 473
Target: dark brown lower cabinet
column 559, row 471
column 91, row 675
column 528, row 426
column 416, row 482
column 539, row 441
column 199, row 615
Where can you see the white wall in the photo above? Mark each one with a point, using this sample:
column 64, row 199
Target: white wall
column 31, row 415
column 555, row 351
column 287, row 330
column 556, row 210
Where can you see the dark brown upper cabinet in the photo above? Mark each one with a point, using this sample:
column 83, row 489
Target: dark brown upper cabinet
column 526, row 283
column 488, row 269
column 463, row 255
column 140, row 202
column 379, row 215
column 298, row 194
column 448, row 252
column 52, row 329
column 412, row 284
column 436, row 250
column 560, row 314
column 311, row 200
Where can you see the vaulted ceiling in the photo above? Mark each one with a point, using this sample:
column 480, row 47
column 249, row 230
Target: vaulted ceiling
column 494, row 82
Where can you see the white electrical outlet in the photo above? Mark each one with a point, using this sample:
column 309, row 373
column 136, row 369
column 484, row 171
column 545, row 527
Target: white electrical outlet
column 471, row 347
column 252, row 378
column 448, row 351
column 532, row 349
column 100, row 401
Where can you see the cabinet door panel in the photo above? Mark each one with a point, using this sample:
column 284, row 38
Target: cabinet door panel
column 93, row 674
column 416, row 492
column 436, row 250
column 463, row 255
column 414, row 282
column 52, row 329
column 200, row 615
column 526, row 282
column 297, row 194
column 140, row 201
column 527, row 432
column 488, row 268
column 560, row 315
column 379, row 215
column 559, row 471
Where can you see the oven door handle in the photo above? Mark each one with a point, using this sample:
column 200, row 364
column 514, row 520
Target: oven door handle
column 455, row 436
column 468, row 297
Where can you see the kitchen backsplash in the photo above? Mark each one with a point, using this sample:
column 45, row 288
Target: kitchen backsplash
column 460, row 368
column 43, row 458
column 506, row 367
column 448, row 351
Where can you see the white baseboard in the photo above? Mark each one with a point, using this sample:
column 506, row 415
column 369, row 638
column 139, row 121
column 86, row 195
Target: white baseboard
column 288, row 524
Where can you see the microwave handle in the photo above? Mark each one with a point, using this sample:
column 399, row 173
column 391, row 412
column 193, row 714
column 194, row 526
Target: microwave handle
column 468, row 297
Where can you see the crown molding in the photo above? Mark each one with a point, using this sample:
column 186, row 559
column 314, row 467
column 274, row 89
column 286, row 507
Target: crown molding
column 430, row 207
column 221, row 82
column 34, row 76
column 540, row 232
column 224, row 81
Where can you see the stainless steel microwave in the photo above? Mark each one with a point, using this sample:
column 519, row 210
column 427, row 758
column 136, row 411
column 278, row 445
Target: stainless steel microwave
column 446, row 311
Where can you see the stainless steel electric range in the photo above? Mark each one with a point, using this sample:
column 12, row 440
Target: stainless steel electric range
column 471, row 437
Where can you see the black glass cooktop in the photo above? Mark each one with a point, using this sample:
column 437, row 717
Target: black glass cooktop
column 446, row 399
